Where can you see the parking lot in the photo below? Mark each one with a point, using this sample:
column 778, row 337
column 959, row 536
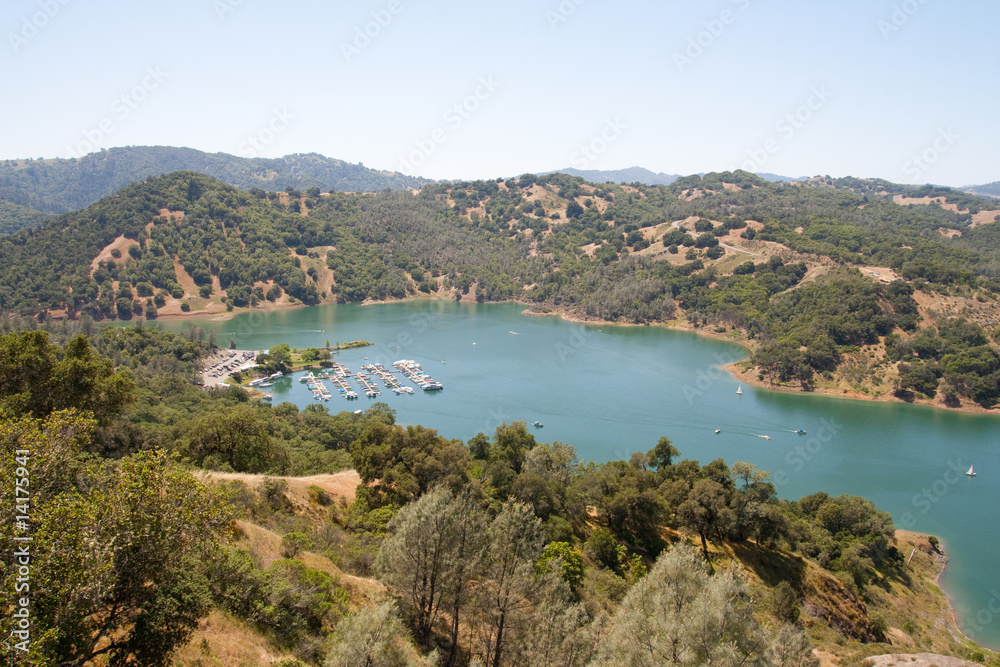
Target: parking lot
column 225, row 363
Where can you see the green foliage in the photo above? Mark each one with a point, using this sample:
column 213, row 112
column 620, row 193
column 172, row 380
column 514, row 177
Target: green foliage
column 292, row 544
column 116, row 566
column 784, row 603
column 289, row 601
column 570, row 563
column 14, row 217
column 398, row 465
column 37, row 377
column 62, row 185
column 698, row 619
column 603, row 548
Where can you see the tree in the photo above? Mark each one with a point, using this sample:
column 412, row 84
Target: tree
column 117, row 569
column 237, row 437
column 374, row 637
column 431, row 549
column 397, row 465
column 505, row 592
column 663, row 454
column 701, row 511
column 277, row 360
column 791, row 648
column 570, row 563
column 292, row 544
column 680, row 615
column 785, row 603
column 38, row 378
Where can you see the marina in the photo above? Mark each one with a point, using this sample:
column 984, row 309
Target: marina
column 367, row 380
column 415, row 373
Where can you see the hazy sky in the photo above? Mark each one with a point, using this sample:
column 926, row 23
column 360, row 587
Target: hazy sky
column 900, row 89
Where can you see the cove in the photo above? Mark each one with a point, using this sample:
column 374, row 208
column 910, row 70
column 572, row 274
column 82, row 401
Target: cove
column 610, row 391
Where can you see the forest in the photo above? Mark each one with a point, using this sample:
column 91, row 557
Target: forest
column 62, row 185
column 792, row 287
column 500, row 551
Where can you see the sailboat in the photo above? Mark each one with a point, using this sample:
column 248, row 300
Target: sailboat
column 739, row 390
column 971, row 473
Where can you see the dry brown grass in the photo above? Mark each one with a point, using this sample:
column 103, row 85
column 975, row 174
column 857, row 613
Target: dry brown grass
column 121, row 244
column 339, row 486
column 265, row 547
column 223, row 641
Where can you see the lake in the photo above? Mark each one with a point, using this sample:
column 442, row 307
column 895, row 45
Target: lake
column 610, row 391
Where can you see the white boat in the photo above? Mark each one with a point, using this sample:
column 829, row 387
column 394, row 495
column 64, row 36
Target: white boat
column 718, row 431
column 971, row 473
column 739, row 390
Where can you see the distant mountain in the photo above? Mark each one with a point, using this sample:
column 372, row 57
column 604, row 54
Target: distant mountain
column 630, row 175
column 988, row 189
column 647, row 177
column 774, row 178
column 61, row 185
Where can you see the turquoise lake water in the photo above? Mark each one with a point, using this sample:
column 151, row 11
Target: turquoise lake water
column 610, row 391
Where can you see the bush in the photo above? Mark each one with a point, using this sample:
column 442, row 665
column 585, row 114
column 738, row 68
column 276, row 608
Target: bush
column 292, row 544
column 784, row 603
column 603, row 548
column 319, row 496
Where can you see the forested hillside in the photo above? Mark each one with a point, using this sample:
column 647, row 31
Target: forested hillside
column 989, row 189
column 856, row 286
column 155, row 543
column 14, row 217
column 62, row 185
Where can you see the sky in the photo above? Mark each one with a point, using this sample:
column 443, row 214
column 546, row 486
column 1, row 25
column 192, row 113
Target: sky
column 898, row 89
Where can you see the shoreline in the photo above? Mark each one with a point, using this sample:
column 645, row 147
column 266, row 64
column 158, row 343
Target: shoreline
column 677, row 325
column 942, row 560
column 749, row 377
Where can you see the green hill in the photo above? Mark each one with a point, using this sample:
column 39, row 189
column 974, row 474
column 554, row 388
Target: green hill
column 61, row 185
column 14, row 217
column 851, row 286
column 988, row 189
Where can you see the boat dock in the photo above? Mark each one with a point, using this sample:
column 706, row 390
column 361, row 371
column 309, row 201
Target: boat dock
column 367, row 379
column 415, row 373
column 317, row 387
